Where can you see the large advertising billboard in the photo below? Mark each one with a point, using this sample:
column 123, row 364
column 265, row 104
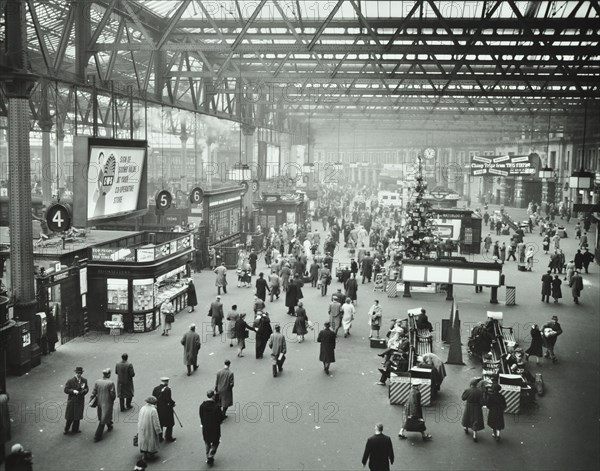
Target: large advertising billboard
column 114, row 179
column 505, row 165
column 110, row 180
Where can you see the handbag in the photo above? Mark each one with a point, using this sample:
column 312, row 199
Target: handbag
column 414, row 424
column 135, row 440
column 93, row 401
column 169, row 318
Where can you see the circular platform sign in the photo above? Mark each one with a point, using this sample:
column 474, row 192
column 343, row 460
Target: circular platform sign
column 196, row 195
column 58, row 217
column 245, row 187
column 255, row 185
column 164, row 199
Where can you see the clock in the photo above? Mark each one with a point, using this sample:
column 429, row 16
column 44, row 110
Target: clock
column 429, row 153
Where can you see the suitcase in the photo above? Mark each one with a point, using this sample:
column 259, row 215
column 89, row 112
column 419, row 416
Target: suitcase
column 378, row 343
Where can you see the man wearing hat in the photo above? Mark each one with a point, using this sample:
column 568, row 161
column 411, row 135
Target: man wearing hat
column 550, row 333
column 76, row 388
column 327, row 340
column 105, row 392
column 149, row 430
column 211, row 418
column 165, row 405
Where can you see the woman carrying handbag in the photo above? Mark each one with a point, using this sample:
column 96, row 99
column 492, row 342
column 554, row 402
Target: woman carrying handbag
column 413, row 412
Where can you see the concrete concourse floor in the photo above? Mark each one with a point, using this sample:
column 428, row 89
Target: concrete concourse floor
column 305, row 420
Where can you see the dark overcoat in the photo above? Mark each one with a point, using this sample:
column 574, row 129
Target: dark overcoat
column 556, row 289
column 496, row 403
column 76, row 402
column 125, row 373
column 192, row 299
column 164, row 405
column 211, row 417
column 546, row 284
column 473, row 414
column 327, row 340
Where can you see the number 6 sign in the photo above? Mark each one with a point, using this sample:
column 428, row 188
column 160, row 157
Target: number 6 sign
column 196, row 195
column 58, row 218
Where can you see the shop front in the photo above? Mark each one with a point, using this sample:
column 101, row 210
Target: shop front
column 129, row 283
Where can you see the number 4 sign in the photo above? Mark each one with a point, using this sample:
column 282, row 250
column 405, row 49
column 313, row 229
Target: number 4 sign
column 58, row 218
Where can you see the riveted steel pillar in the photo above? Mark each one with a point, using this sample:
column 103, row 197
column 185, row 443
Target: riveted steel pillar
column 19, row 83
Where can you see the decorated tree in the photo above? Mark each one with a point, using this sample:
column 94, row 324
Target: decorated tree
column 418, row 235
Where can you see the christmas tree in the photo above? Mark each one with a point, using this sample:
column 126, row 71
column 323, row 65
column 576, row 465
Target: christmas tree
column 418, row 234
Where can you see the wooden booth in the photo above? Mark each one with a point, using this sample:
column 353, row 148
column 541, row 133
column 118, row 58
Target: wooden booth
column 131, row 277
column 277, row 209
column 461, row 226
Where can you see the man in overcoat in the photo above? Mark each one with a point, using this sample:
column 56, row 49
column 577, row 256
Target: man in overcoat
column 125, row 373
column 224, row 388
column 105, row 393
column 76, row 388
column 165, row 405
column 262, row 287
column 278, row 349
column 327, row 340
column 211, row 418
column 546, row 286
column 379, row 451
column 216, row 315
column 191, row 347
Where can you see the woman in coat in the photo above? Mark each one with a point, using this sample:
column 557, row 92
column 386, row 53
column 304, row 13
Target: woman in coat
column 166, row 308
column 232, row 318
column 496, row 404
column 192, row 299
column 149, row 430
column 413, row 415
column 347, row 316
column 556, row 289
column 535, row 349
column 375, row 318
column 300, row 324
column 473, row 415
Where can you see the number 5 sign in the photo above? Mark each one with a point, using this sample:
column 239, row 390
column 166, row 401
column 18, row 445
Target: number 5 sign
column 164, row 199
column 58, row 217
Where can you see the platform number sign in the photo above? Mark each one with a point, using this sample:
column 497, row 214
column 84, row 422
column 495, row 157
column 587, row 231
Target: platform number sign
column 245, row 187
column 255, row 185
column 58, row 218
column 164, row 200
column 196, row 195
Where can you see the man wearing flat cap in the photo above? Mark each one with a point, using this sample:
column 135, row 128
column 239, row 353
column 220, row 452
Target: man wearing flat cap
column 165, row 405
column 76, row 388
column 105, row 393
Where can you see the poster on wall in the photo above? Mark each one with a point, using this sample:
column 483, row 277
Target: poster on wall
column 505, row 165
column 113, row 180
